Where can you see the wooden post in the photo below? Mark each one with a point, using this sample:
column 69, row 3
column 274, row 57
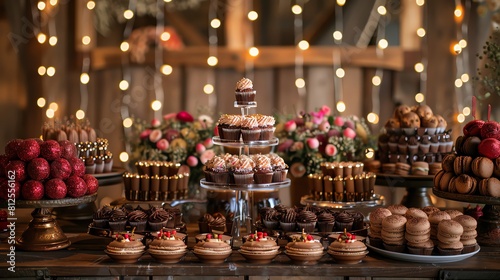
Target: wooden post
column 411, row 18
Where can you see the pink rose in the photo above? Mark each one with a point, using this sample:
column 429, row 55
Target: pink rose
column 317, row 117
column 283, row 147
column 312, row 143
column 184, row 116
column 162, row 145
column 200, row 148
column 145, row 134
column 290, row 126
column 324, row 126
column 206, row 156
column 330, row 150
column 192, row 161
column 339, row 121
column 155, row 135
column 325, row 110
column 208, row 143
column 155, row 123
column 349, row 133
column 333, row 132
column 349, row 123
column 169, row 116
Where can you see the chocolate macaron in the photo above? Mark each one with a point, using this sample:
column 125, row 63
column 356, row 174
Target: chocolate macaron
column 449, row 231
column 490, row 187
column 482, row 167
column 465, row 184
column 462, row 165
column 448, row 162
column 420, row 168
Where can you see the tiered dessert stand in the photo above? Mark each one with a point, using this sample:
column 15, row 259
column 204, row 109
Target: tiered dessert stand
column 43, row 232
column 416, row 188
column 488, row 228
column 244, row 192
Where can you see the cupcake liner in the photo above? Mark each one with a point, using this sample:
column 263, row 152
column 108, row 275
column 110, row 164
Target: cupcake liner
column 154, row 226
column 117, row 225
column 263, row 178
column 139, row 226
column 250, row 134
column 243, row 97
column 326, row 226
column 243, row 178
column 271, row 224
column 288, row 227
column 101, row 223
column 394, row 247
column 267, row 133
column 232, row 134
column 340, row 226
column 307, row 227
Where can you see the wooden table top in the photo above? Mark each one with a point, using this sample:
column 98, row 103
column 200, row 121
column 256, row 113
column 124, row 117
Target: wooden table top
column 86, row 258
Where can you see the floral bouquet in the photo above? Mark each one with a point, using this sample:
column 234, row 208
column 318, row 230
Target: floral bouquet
column 178, row 138
column 308, row 139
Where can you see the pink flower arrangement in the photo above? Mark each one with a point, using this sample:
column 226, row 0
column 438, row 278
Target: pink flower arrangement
column 176, row 137
column 315, row 137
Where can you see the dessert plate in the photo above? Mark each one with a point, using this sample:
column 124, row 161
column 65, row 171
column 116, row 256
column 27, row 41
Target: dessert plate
column 421, row 258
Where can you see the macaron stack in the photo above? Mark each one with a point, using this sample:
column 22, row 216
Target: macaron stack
column 468, row 237
column 449, row 234
column 434, row 220
column 375, row 233
column 418, row 236
column 393, row 233
column 415, row 213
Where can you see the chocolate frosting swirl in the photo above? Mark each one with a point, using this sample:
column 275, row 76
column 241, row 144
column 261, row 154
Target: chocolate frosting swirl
column 159, row 215
column 290, row 216
column 272, row 215
column 218, row 221
column 117, row 215
column 307, row 217
column 103, row 213
column 326, row 217
column 137, row 216
column 344, row 217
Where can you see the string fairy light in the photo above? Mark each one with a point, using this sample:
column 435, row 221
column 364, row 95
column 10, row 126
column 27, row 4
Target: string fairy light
column 339, row 72
column 253, row 51
column 301, row 45
column 157, row 104
column 212, row 60
column 421, row 66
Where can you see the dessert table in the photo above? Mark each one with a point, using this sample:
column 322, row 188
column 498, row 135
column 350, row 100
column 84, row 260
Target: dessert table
column 86, row 258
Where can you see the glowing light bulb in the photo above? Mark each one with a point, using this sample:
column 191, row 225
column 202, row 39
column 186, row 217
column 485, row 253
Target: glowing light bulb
column 252, row 15
column 124, row 46
column 459, row 83
column 166, row 69
column 382, row 10
column 419, row 67
column 376, row 80
column 420, row 2
column 84, row 78
column 466, row 111
column 123, row 157
column 53, row 106
column 165, row 36
column 42, row 70
column 460, row 118
column 419, row 97
column 156, row 105
column 90, row 5
column 208, row 89
column 303, row 45
column 462, row 43
column 341, row 106
column 457, row 49
column 341, row 2
column 383, row 44
column 420, row 32
column 41, row 37
column 41, row 5
column 340, row 72
column 215, row 23
column 296, row 9
column 53, row 2
column 253, row 51
column 80, row 114
column 300, row 83
column 458, row 12
column 123, row 85
column 53, row 40
column 212, row 60
column 50, row 113
column 51, row 71
column 369, row 153
column 40, row 102
column 127, row 122
column 86, row 40
column 372, row 118
column 337, row 35
column 128, row 14
column 464, row 77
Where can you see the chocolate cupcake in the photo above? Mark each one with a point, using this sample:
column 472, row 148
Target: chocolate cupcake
column 263, row 170
column 271, row 219
column 326, row 222
column 158, row 218
column 204, row 222
column 359, row 220
column 138, row 219
column 344, row 221
column 250, row 130
column 306, row 220
column 117, row 220
column 218, row 224
column 244, row 92
column 288, row 220
column 101, row 217
column 280, row 169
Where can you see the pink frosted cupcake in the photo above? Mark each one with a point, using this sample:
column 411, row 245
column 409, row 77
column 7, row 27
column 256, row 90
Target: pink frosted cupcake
column 244, row 92
column 243, row 170
column 250, row 130
column 263, row 170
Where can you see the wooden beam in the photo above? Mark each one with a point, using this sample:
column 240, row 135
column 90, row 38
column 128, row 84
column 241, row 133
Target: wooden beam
column 185, row 29
column 320, row 23
column 394, row 58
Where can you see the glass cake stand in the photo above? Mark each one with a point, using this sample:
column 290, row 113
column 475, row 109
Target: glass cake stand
column 376, row 200
column 488, row 226
column 43, row 232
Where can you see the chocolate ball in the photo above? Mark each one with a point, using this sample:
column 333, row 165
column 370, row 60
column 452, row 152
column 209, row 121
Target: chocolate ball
column 50, row 150
column 76, row 186
column 55, row 189
column 32, row 190
column 11, row 148
column 78, row 167
column 60, row 168
column 16, row 170
column 28, row 150
column 92, row 183
column 68, row 149
column 38, row 169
